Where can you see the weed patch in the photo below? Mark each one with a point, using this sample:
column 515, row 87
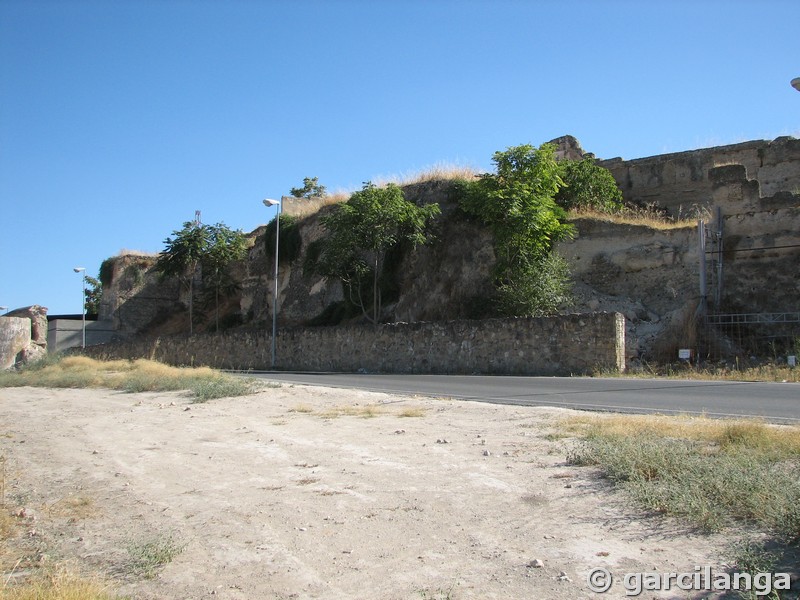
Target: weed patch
column 57, row 584
column 148, row 556
column 130, row 376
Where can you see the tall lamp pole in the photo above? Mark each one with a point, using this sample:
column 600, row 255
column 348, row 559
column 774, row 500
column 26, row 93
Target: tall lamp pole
column 83, row 305
column 270, row 202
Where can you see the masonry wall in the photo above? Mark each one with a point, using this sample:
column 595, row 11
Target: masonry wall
column 680, row 181
column 570, row 344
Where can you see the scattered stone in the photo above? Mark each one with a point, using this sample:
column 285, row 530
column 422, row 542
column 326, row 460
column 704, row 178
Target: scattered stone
column 549, row 537
column 442, row 441
column 399, row 431
column 536, row 564
column 487, row 453
column 562, row 576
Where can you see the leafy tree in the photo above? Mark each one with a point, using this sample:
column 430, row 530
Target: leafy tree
column 94, row 294
column 541, row 287
column 361, row 232
column 225, row 246
column 311, row 189
column 588, row 186
column 290, row 241
column 196, row 247
column 518, row 203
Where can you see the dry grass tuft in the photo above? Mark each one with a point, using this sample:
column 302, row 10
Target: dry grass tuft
column 436, row 172
column 140, row 375
column 635, row 218
column 365, row 412
column 784, row 439
column 302, row 207
column 72, row 507
column 57, row 584
column 412, row 412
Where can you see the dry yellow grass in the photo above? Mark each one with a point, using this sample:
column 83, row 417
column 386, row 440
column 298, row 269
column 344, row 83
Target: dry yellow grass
column 435, row 172
column 72, row 507
column 309, row 206
column 57, row 584
column 784, row 439
column 365, row 412
column 637, row 219
column 412, row 412
column 131, row 376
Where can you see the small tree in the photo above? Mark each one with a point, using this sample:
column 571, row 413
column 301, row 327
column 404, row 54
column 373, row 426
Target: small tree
column 518, row 203
column 94, row 294
column 211, row 247
column 361, row 232
column 311, row 189
column 588, row 186
column 225, row 246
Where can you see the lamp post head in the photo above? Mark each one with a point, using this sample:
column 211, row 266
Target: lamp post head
column 270, row 202
column 796, row 83
column 79, row 269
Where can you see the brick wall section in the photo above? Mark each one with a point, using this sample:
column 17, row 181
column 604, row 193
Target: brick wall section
column 564, row 345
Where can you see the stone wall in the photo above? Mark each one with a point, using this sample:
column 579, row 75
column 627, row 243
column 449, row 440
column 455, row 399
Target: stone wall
column 570, row 344
column 680, row 182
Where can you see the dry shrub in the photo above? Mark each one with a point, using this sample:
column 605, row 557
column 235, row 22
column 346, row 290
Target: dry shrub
column 365, row 412
column 57, row 584
column 412, row 412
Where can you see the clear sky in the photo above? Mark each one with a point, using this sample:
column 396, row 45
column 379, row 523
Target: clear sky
column 120, row 118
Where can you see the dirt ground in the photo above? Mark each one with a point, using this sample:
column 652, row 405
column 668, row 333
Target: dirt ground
column 304, row 492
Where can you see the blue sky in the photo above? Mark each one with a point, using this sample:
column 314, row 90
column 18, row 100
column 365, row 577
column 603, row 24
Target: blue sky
column 119, row 119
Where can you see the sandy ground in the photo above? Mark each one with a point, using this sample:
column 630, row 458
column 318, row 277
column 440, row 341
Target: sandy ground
column 293, row 493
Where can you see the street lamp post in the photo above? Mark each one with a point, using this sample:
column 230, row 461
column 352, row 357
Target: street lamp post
column 270, row 202
column 83, row 305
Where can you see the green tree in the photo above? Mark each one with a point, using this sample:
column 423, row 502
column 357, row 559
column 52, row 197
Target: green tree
column 197, row 248
column 361, row 232
column 518, row 204
column 311, row 189
column 94, row 294
column 224, row 247
column 588, row 186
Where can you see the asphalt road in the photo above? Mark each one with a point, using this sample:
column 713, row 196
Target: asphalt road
column 777, row 402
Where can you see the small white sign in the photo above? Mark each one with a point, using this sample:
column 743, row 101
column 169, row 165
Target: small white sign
column 792, row 360
column 684, row 354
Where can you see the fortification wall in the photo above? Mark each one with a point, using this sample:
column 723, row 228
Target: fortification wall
column 571, row 344
column 680, row 181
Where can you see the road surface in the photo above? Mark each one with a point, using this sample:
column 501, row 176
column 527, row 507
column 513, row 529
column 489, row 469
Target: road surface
column 777, row 402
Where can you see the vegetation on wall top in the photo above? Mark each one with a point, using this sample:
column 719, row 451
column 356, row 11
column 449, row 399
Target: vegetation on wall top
column 208, row 249
column 361, row 235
